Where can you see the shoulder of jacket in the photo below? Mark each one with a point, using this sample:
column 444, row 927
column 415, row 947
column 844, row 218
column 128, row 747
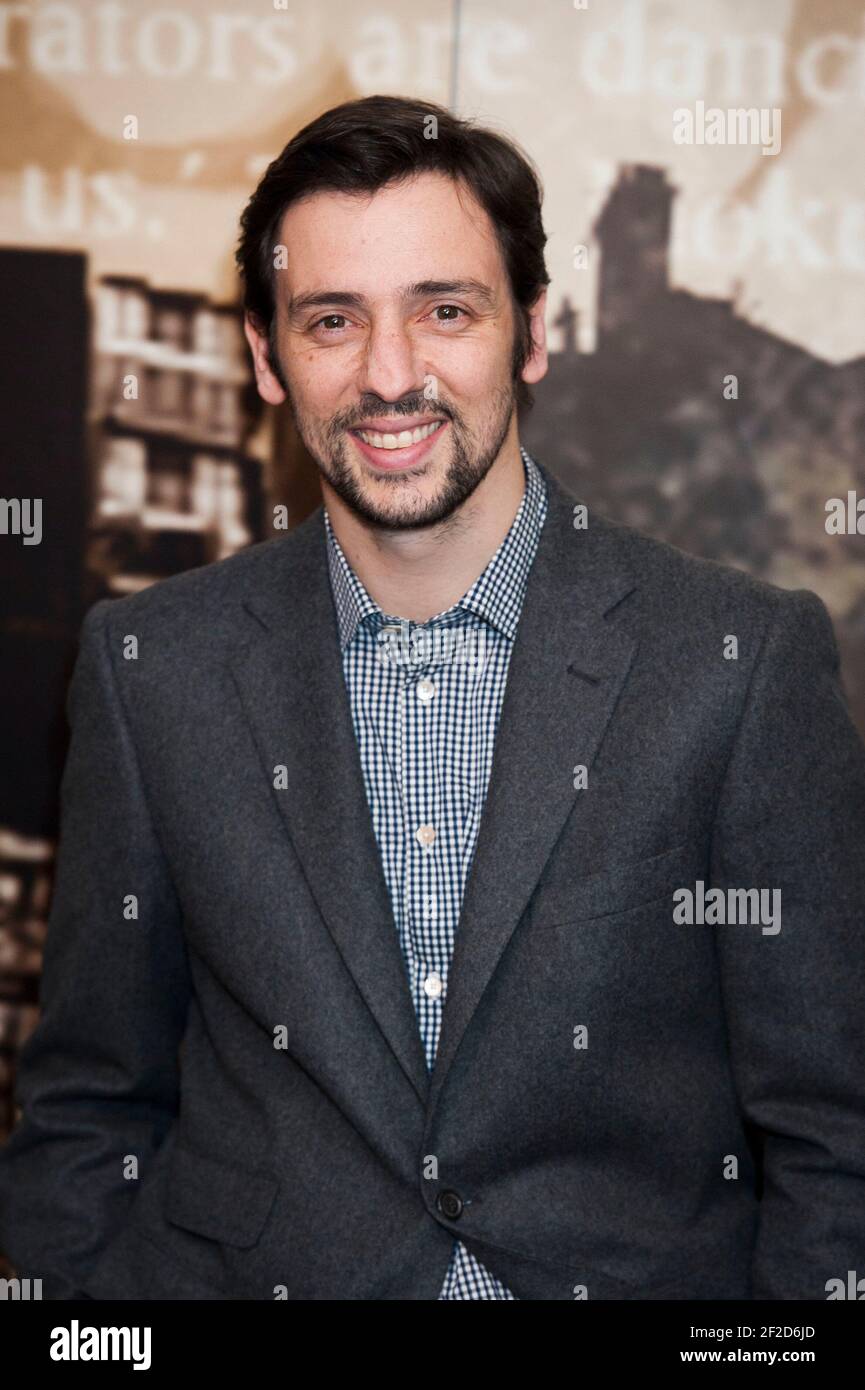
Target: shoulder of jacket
column 692, row 584
column 199, row 600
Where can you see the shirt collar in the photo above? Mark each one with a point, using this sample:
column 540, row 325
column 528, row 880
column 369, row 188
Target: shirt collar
column 497, row 593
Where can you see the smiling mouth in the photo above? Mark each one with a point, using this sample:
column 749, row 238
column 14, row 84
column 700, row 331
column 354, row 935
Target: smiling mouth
column 403, row 440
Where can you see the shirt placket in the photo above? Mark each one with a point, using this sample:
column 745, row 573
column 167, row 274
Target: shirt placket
column 424, row 817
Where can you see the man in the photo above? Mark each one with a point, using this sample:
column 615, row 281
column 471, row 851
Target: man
column 459, row 897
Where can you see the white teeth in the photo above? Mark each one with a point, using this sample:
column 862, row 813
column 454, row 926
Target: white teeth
column 401, row 440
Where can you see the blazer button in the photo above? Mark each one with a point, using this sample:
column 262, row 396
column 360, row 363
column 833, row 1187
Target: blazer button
column 450, row 1204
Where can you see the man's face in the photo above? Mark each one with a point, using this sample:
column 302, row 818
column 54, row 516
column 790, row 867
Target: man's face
column 393, row 314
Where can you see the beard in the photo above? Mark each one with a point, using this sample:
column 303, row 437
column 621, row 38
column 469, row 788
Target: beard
column 469, row 463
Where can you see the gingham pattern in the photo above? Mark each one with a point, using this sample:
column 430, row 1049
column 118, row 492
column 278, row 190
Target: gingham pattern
column 427, row 761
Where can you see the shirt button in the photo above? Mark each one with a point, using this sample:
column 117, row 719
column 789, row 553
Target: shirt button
column 425, row 834
column 425, row 691
column 433, row 985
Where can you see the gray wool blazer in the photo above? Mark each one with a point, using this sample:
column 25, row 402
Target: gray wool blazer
column 226, row 1094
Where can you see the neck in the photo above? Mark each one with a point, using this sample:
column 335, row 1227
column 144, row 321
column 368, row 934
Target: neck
column 417, row 574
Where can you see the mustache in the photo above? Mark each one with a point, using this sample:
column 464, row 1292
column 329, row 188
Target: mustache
column 382, row 408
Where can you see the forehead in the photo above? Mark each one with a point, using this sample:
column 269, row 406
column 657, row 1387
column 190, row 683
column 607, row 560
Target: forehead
column 427, row 227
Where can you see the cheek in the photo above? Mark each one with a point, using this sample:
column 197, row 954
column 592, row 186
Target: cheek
column 471, row 371
column 316, row 381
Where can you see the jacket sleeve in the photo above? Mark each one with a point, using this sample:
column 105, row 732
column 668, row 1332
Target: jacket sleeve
column 791, row 816
column 98, row 1079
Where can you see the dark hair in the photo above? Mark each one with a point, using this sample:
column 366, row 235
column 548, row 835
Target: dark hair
column 360, row 146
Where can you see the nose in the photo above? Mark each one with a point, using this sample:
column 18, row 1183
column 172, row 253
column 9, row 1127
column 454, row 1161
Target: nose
column 391, row 367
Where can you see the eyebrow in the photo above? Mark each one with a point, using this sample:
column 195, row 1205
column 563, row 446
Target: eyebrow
column 421, row 289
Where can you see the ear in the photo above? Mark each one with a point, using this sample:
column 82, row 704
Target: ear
column 537, row 363
column 268, row 387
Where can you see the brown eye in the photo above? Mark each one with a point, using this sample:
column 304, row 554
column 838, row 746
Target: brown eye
column 455, row 307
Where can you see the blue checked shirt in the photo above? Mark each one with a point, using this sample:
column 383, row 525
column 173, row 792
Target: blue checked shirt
column 425, row 702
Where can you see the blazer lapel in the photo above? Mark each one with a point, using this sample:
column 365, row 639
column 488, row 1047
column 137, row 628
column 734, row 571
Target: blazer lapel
column 288, row 669
column 567, row 670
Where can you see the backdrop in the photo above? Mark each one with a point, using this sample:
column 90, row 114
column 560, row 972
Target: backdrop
column 705, row 204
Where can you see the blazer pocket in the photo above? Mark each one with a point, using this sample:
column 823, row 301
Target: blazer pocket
column 218, row 1199
column 619, row 889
